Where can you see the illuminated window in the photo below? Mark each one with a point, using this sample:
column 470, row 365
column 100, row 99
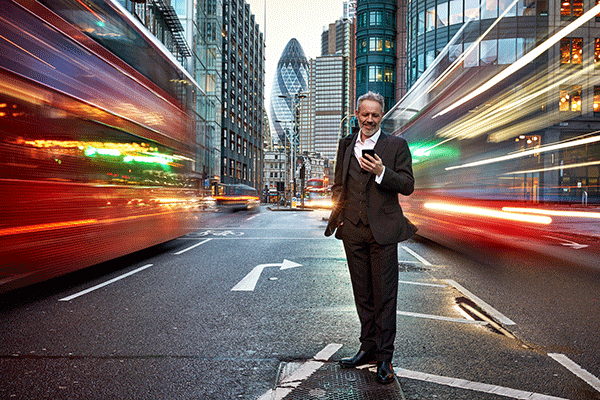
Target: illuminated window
column 571, row 51
column 597, row 100
column 597, row 54
column 571, row 8
column 570, row 98
column 375, row 44
column 389, row 74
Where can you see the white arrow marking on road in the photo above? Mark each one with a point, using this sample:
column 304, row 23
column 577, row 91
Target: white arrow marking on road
column 569, row 243
column 249, row 282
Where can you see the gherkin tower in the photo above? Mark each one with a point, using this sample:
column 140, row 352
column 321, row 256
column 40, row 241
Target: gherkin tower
column 291, row 78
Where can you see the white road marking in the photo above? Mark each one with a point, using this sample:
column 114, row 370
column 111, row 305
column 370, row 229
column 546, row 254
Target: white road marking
column 577, row 370
column 73, row 296
column 475, row 386
column 418, row 257
column 287, row 385
column 422, row 284
column 192, row 247
column 252, row 217
column 440, row 318
column 248, row 283
column 489, row 309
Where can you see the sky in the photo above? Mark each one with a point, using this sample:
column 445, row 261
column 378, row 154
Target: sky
column 287, row 19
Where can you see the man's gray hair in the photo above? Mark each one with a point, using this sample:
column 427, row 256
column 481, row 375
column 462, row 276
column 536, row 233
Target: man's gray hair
column 371, row 96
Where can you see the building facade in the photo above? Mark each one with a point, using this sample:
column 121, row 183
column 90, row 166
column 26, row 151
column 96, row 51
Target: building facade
column 563, row 97
column 289, row 86
column 331, row 104
column 190, row 30
column 242, row 93
column 376, row 48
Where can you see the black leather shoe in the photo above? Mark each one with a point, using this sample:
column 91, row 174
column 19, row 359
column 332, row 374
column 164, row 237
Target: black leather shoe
column 360, row 358
column 385, row 372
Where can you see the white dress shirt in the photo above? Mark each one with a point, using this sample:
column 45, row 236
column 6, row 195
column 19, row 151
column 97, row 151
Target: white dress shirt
column 368, row 144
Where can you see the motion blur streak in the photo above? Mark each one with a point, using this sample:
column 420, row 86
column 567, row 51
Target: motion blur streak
column 520, row 63
column 488, row 212
column 574, row 214
column 579, row 142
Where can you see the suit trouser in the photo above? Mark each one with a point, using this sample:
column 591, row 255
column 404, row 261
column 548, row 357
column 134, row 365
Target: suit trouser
column 374, row 274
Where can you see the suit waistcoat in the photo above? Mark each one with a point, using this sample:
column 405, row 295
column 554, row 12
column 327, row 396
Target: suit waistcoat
column 356, row 200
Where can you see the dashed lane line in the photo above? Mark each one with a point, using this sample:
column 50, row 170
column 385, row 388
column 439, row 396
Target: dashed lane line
column 576, row 369
column 192, row 247
column 475, row 386
column 287, row 385
column 118, row 278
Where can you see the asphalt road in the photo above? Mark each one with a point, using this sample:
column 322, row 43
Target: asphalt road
column 230, row 310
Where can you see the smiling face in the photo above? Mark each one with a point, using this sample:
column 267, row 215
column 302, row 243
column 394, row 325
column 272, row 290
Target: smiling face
column 369, row 116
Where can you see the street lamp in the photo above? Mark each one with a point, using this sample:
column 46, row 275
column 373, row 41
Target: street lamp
column 295, row 104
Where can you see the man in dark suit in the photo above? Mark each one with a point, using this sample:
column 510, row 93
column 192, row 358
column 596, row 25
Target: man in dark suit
column 368, row 218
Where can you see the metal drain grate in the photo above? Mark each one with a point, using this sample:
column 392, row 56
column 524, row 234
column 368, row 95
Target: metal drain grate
column 331, row 382
column 409, row 267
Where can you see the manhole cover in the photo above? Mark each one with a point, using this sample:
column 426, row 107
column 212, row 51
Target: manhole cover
column 331, row 382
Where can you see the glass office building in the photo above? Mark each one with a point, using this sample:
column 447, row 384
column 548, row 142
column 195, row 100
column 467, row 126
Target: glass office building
column 376, row 48
column 291, row 78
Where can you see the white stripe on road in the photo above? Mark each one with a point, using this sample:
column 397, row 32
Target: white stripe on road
column 422, row 284
column 73, row 296
column 489, row 309
column 415, row 255
column 287, row 385
column 192, row 247
column 577, row 370
column 440, row 318
column 475, row 386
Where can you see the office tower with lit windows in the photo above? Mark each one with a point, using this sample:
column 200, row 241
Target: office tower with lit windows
column 376, row 48
column 242, row 96
column 564, row 97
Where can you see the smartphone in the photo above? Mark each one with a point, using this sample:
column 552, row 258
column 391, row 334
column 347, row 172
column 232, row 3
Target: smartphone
column 370, row 152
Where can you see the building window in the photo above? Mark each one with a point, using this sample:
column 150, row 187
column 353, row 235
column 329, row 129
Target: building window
column 389, row 74
column 570, row 98
column 507, row 51
column 472, row 56
column 232, row 168
column 471, row 10
column 375, row 44
column 430, row 19
column 375, row 73
column 361, row 73
column 362, row 46
column 489, row 9
column 597, row 54
column 456, row 12
column 442, row 15
column 362, row 19
column 489, row 52
column 376, row 18
column 596, row 100
column 571, row 8
column 389, row 46
column 571, row 51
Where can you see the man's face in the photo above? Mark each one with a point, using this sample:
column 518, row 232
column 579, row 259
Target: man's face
column 369, row 116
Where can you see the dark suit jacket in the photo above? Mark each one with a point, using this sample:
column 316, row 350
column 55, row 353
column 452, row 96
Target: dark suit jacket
column 387, row 222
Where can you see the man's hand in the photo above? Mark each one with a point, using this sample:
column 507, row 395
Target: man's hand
column 372, row 164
